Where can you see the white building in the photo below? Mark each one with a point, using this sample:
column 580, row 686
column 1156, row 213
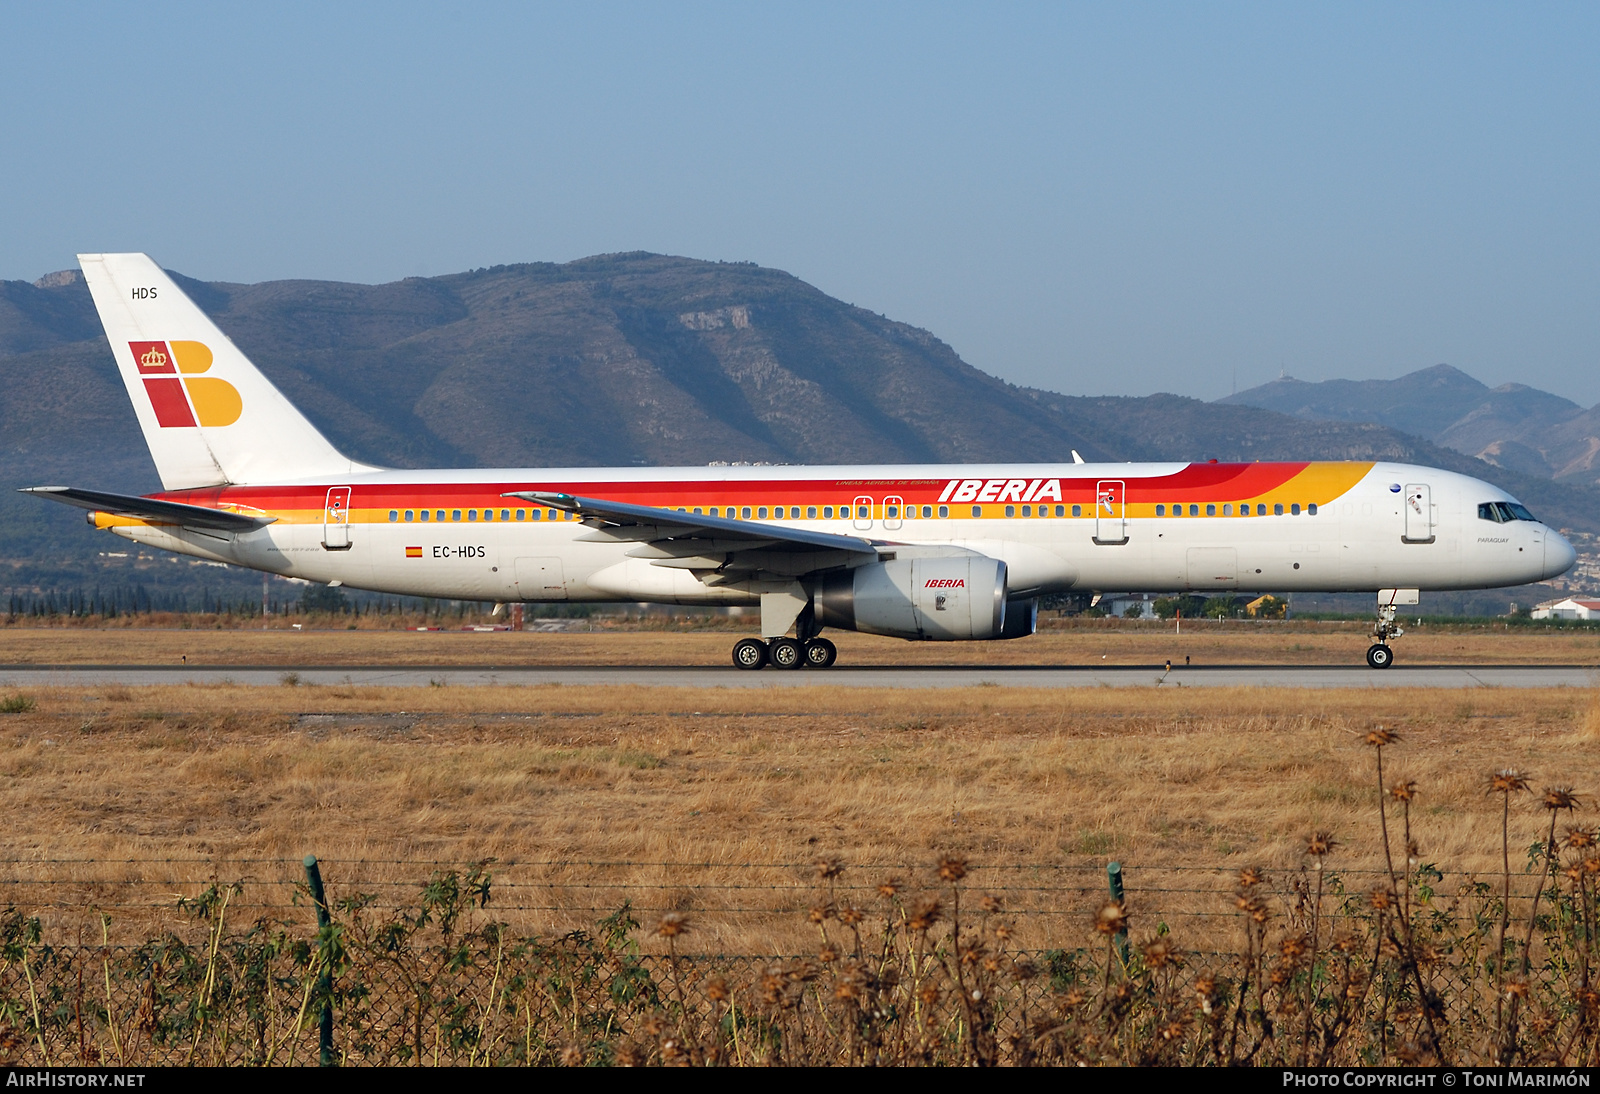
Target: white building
column 1142, row 605
column 1574, row 607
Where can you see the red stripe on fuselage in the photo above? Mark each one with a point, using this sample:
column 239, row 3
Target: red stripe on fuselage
column 1195, row 482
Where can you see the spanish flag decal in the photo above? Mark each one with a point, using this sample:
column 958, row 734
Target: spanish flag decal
column 413, row 552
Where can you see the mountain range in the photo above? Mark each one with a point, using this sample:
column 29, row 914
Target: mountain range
column 1513, row 426
column 651, row 359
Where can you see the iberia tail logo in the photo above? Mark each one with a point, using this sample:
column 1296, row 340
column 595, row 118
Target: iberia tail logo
column 178, row 393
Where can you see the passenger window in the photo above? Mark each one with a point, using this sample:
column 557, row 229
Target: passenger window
column 536, row 514
column 1294, row 509
column 424, row 514
column 977, row 510
column 488, row 514
column 1011, row 511
column 745, row 512
column 1077, row 510
column 1161, row 510
column 944, row 511
column 761, row 512
column 811, row 512
column 1277, row 509
column 411, row 514
column 1027, row 510
column 891, row 511
column 1061, row 510
column 394, row 515
column 455, row 514
column 1211, row 510
column 522, row 514
column 713, row 510
column 827, row 512
column 472, row 514
column 1194, row 510
column 1227, row 510
column 927, row 511
column 1311, row 510
column 438, row 514
column 550, row 514
column 864, row 512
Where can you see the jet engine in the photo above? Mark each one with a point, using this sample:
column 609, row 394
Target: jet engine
column 945, row 598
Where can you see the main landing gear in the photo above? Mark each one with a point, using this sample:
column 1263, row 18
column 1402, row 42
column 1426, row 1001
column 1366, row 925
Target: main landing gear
column 784, row 653
column 1379, row 655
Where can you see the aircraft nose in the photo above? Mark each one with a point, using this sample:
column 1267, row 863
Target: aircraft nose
column 1559, row 555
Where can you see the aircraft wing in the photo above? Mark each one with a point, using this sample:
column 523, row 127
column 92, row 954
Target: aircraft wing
column 151, row 509
column 731, row 548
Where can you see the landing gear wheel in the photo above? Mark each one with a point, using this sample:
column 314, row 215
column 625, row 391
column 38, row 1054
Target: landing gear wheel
column 750, row 653
column 1379, row 656
column 821, row 654
column 785, row 653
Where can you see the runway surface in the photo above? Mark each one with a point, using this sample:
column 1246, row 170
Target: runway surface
column 866, row 676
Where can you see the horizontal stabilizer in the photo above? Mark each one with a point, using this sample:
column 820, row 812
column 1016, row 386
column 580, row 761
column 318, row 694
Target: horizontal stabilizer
column 161, row 512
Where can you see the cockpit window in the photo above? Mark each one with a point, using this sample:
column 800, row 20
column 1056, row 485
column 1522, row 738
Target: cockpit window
column 1502, row 512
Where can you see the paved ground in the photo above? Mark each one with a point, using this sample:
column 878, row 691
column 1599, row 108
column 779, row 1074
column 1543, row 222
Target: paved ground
column 922, row 676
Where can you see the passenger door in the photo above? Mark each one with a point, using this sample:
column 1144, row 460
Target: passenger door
column 336, row 519
column 1419, row 514
column 1110, row 512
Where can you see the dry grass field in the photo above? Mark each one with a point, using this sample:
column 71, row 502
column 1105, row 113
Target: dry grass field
column 717, row 802
column 1077, row 643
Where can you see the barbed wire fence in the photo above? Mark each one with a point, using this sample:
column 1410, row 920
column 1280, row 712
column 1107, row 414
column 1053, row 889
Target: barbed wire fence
column 224, row 961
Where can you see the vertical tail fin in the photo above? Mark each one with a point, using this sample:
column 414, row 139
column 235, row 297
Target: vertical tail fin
column 209, row 416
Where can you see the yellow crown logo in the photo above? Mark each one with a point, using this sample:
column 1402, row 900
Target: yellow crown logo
column 153, row 358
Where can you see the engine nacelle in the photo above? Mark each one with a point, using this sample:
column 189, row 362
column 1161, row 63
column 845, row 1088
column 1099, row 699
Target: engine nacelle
column 1022, row 619
column 944, row 598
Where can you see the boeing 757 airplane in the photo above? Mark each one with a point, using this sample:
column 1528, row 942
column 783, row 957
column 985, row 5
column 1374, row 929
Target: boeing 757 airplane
column 947, row 553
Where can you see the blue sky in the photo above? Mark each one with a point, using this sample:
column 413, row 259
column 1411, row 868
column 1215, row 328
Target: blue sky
column 1096, row 199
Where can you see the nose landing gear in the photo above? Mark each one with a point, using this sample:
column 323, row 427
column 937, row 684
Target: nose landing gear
column 1379, row 655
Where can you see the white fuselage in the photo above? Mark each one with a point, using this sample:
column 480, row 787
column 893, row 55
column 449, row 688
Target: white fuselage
column 1358, row 540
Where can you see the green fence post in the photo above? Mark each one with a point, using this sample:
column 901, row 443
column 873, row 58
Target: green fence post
column 325, row 980
column 1114, row 880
